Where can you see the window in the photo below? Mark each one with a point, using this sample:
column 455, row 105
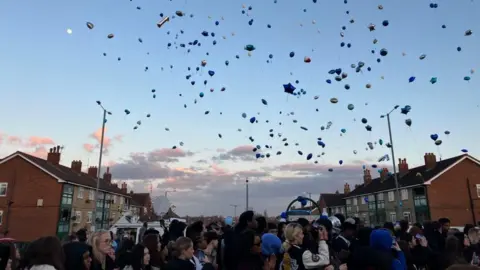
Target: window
column 420, row 200
column 362, row 199
column 67, row 195
column 80, row 193
column 78, row 216
column 91, row 195
column 62, row 228
column 371, row 198
column 478, row 191
column 1, row 217
column 404, row 194
column 114, row 198
column 3, row 189
column 348, row 202
column 349, row 209
column 407, row 216
column 371, row 206
column 391, row 196
column 89, row 217
column 381, row 204
column 355, row 201
column 380, row 196
column 393, row 217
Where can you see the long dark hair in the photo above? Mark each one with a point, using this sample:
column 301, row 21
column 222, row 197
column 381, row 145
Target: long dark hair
column 46, row 250
column 8, row 251
column 151, row 242
column 137, row 255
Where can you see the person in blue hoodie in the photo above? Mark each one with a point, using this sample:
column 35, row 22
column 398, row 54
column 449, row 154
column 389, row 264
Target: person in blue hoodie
column 382, row 241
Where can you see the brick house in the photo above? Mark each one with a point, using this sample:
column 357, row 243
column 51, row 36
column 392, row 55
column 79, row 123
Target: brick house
column 143, row 207
column 445, row 188
column 41, row 197
column 333, row 203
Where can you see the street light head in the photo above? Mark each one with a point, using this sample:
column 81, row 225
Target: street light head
column 396, row 107
column 382, row 116
column 109, row 113
column 98, row 102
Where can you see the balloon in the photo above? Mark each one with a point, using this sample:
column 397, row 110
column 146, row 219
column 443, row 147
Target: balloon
column 229, row 221
column 447, row 132
column 438, row 142
column 408, row 122
column 340, row 162
column 283, row 215
column 351, row 107
column 434, row 137
column 464, row 150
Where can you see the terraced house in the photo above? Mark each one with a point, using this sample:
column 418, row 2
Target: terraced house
column 41, row 197
column 445, row 188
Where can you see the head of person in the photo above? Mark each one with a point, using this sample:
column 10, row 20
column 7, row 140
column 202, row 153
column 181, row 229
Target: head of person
column 473, row 236
column 145, row 224
column 8, row 252
column 154, row 246
column 389, row 226
column 140, row 257
column 183, row 248
column 77, row 256
column 211, row 239
column 82, row 235
column 293, row 235
column 349, row 227
column 272, row 228
column 340, row 217
column 261, row 224
column 45, row 251
column 305, row 224
column 381, row 239
column 444, row 224
column 246, row 221
column 363, row 236
column 404, row 225
column 280, row 228
column 101, row 243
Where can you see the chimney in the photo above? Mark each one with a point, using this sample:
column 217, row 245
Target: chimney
column 124, row 187
column 430, row 160
column 346, row 188
column 107, row 176
column 92, row 171
column 384, row 174
column 76, row 166
column 402, row 166
column 54, row 155
column 367, row 177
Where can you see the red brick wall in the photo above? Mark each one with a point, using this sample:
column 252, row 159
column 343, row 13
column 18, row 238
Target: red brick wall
column 448, row 195
column 26, row 184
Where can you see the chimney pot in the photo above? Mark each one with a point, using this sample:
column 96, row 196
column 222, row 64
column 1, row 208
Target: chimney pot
column 384, row 174
column 92, row 171
column 367, row 177
column 346, row 188
column 107, row 176
column 53, row 157
column 430, row 161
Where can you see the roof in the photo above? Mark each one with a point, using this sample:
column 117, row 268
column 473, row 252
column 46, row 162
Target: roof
column 170, row 214
column 66, row 174
column 140, row 199
column 333, row 199
column 409, row 179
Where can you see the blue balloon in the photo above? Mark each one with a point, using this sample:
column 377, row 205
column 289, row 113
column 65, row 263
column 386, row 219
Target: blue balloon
column 283, row 215
column 229, row 221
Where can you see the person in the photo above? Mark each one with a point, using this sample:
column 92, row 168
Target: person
column 182, row 255
column 124, row 253
column 341, row 244
column 142, row 231
column 364, row 257
column 8, row 255
column 77, row 256
column 301, row 258
column 272, row 248
column 151, row 241
column 382, row 241
column 44, row 254
column 82, row 235
column 231, row 239
column 209, row 247
column 140, row 258
column 452, row 254
column 250, row 256
column 103, row 255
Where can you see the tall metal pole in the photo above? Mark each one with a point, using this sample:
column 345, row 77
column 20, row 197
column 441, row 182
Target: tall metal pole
column 246, row 205
column 310, row 197
column 397, row 187
column 99, row 166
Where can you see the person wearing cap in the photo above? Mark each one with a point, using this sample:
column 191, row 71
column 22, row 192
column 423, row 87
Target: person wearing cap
column 341, row 244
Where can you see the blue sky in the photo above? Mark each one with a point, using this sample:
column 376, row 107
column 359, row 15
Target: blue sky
column 51, row 80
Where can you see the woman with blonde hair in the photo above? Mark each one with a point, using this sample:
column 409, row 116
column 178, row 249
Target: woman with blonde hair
column 298, row 256
column 183, row 254
column 103, row 254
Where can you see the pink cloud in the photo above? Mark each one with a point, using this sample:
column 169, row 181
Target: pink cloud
column 217, row 171
column 40, row 152
column 34, row 141
column 167, row 155
column 107, row 141
column 14, row 140
column 88, row 147
column 221, row 150
column 242, row 152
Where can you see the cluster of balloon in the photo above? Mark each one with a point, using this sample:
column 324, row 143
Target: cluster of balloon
column 336, row 75
column 302, row 200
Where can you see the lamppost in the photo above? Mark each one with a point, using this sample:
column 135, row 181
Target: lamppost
column 246, row 189
column 234, row 210
column 310, row 197
column 104, row 121
column 397, row 187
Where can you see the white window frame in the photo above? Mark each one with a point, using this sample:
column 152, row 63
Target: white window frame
column 80, row 193
column 78, row 215
column 391, row 196
column 89, row 216
column 1, row 217
column 408, row 215
column 404, row 194
column 371, row 198
column 380, row 196
column 393, row 217
column 478, row 191
column 114, row 199
column 348, row 202
column 91, row 195
column 355, row 201
column 362, row 199
column 4, row 186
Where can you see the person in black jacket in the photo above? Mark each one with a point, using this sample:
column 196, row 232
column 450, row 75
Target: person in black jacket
column 77, row 256
column 231, row 239
column 365, row 257
column 183, row 253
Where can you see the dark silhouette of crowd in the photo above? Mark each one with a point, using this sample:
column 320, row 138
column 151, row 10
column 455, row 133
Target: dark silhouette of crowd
column 329, row 243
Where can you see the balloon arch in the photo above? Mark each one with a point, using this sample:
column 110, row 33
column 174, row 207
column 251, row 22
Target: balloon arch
column 303, row 201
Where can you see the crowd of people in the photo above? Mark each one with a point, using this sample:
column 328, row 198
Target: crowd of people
column 335, row 243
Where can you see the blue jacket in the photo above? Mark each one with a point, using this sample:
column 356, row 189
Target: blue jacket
column 382, row 240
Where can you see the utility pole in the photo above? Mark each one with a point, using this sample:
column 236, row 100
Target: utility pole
column 104, row 121
column 246, row 205
column 397, row 187
column 234, row 211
